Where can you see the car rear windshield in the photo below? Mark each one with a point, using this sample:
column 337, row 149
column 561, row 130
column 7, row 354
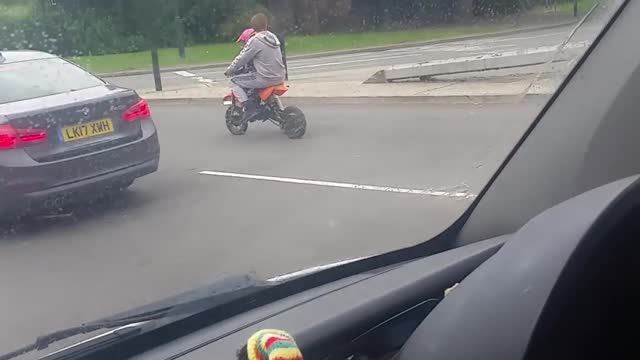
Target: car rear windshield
column 37, row 78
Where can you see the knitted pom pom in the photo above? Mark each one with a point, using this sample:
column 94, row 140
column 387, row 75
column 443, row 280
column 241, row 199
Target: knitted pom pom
column 270, row 344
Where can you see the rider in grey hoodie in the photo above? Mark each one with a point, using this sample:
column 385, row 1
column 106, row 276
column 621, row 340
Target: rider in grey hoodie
column 264, row 51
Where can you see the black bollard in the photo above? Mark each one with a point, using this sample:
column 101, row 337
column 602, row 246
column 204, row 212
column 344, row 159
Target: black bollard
column 156, row 68
column 284, row 56
column 180, row 37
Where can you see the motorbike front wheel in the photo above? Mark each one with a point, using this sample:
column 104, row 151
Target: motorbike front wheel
column 233, row 119
column 295, row 123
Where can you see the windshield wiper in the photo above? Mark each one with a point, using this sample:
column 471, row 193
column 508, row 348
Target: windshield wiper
column 43, row 341
column 174, row 308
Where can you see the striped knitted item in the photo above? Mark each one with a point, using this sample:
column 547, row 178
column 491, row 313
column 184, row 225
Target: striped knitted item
column 272, row 345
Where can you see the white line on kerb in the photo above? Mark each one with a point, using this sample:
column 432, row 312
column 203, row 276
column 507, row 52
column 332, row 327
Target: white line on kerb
column 438, row 193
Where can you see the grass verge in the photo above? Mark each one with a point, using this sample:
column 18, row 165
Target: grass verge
column 15, row 12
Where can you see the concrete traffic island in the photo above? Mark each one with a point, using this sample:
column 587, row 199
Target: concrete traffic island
column 480, row 63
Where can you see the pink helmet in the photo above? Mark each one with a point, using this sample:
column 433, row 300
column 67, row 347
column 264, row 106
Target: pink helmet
column 246, row 35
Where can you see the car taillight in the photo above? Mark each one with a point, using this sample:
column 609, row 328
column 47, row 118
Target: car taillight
column 11, row 138
column 8, row 137
column 139, row 110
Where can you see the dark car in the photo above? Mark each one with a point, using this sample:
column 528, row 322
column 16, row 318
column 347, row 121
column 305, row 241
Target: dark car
column 66, row 135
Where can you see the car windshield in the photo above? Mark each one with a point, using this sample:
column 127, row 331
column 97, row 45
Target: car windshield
column 152, row 147
column 29, row 79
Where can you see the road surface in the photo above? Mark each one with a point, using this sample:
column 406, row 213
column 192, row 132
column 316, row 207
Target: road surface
column 178, row 229
column 361, row 66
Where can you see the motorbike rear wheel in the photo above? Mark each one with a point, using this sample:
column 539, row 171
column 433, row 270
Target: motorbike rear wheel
column 295, row 122
column 233, row 119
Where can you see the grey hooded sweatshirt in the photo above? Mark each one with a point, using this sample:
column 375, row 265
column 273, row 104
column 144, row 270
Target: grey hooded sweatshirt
column 264, row 51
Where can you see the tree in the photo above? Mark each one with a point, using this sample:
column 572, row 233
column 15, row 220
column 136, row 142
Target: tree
column 82, row 27
column 466, row 9
column 157, row 27
column 284, row 15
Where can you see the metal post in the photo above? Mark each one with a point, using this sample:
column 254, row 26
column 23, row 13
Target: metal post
column 180, row 34
column 156, row 68
column 575, row 8
column 284, row 56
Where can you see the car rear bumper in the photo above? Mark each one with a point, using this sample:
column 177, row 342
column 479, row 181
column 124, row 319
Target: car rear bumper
column 82, row 190
column 26, row 185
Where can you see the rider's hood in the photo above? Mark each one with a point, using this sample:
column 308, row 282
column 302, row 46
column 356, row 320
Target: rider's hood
column 268, row 38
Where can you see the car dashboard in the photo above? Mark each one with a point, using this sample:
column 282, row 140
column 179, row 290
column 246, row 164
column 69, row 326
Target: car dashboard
column 358, row 308
column 521, row 286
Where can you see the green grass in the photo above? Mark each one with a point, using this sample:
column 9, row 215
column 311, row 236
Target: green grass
column 215, row 53
column 15, row 11
column 199, row 54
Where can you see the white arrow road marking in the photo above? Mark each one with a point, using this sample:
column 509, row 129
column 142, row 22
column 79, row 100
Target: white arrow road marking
column 184, row 73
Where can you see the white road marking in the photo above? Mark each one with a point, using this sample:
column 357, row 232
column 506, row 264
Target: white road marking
column 213, row 73
column 312, row 270
column 350, row 61
column 184, row 73
column 430, row 192
column 467, row 48
column 520, row 38
column 465, row 45
column 204, row 80
column 491, row 41
column 194, row 77
column 492, row 55
column 348, row 56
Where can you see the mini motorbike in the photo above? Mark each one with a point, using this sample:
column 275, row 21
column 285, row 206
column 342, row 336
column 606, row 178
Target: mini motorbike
column 291, row 120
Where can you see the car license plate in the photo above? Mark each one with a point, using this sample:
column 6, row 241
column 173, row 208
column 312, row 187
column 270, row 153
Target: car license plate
column 86, row 130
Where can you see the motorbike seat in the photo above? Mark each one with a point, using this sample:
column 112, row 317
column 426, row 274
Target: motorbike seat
column 279, row 89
